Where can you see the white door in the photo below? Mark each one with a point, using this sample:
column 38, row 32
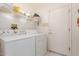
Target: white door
column 59, row 28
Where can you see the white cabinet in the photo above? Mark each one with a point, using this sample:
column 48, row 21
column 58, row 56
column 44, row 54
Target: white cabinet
column 41, row 45
column 21, row 47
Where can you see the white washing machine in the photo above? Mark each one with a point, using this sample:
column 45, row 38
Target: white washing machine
column 24, row 45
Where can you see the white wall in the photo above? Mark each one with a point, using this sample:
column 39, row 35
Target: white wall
column 7, row 19
column 75, row 30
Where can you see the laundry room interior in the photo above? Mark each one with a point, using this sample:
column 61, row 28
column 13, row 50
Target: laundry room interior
column 39, row 29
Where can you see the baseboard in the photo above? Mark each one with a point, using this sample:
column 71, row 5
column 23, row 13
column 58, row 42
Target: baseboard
column 57, row 53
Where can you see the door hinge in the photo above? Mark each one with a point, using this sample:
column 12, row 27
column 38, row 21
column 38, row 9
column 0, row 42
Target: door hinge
column 69, row 29
column 69, row 48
